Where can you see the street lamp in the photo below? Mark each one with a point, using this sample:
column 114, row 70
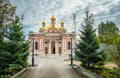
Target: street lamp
column 71, row 51
column 33, row 50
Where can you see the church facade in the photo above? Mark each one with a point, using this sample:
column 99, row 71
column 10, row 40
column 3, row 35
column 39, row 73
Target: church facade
column 51, row 39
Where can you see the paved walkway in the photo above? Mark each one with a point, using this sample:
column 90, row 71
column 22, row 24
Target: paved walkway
column 51, row 66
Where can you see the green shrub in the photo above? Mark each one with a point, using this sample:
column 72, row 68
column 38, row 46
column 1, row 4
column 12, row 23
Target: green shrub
column 4, row 76
column 106, row 72
column 13, row 69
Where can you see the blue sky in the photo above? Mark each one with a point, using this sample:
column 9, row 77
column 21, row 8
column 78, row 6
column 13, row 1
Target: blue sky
column 37, row 10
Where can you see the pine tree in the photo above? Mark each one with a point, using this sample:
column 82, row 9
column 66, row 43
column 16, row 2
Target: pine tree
column 18, row 42
column 7, row 12
column 89, row 44
column 13, row 46
column 15, row 31
column 14, row 53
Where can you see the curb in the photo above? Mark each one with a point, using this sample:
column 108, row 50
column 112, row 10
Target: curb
column 86, row 72
column 20, row 72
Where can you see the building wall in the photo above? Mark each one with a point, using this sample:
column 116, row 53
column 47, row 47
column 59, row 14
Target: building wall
column 46, row 42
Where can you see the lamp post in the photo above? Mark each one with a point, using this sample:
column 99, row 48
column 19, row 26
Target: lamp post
column 33, row 50
column 71, row 51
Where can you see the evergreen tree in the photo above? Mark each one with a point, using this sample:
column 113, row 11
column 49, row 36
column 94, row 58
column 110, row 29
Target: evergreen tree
column 7, row 12
column 89, row 44
column 13, row 46
column 14, row 52
column 17, row 41
column 4, row 58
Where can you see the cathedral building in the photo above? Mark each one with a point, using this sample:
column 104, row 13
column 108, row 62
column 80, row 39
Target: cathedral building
column 51, row 39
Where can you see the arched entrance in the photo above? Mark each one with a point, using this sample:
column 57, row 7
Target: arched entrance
column 53, row 47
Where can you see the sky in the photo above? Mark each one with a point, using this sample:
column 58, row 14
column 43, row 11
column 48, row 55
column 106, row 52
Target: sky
column 35, row 11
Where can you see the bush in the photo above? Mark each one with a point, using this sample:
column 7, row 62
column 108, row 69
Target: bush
column 106, row 72
column 13, row 69
column 6, row 76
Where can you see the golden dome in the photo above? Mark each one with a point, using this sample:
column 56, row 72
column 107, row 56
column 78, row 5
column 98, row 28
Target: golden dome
column 43, row 22
column 62, row 22
column 51, row 26
column 62, row 28
column 43, row 28
column 53, row 17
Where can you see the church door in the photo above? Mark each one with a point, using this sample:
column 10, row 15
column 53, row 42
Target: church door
column 46, row 50
column 53, row 47
column 59, row 50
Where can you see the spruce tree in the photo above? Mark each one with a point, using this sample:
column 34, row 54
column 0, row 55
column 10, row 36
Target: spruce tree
column 87, row 48
column 7, row 12
column 17, row 41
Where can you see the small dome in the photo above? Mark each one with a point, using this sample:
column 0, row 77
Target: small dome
column 43, row 28
column 43, row 22
column 53, row 17
column 62, row 22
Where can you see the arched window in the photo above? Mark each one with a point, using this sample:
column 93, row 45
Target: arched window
column 69, row 45
column 36, row 45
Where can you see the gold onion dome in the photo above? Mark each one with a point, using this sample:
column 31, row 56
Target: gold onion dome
column 43, row 26
column 53, row 24
column 43, row 22
column 62, row 22
column 62, row 25
column 53, row 17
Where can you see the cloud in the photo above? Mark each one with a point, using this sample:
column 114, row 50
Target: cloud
column 37, row 10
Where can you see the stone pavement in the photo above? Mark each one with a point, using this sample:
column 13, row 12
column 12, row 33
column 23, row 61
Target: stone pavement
column 52, row 66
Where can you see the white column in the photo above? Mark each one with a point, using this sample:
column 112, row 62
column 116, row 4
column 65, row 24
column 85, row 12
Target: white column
column 65, row 45
column 56, row 46
column 42, row 46
column 49, row 47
